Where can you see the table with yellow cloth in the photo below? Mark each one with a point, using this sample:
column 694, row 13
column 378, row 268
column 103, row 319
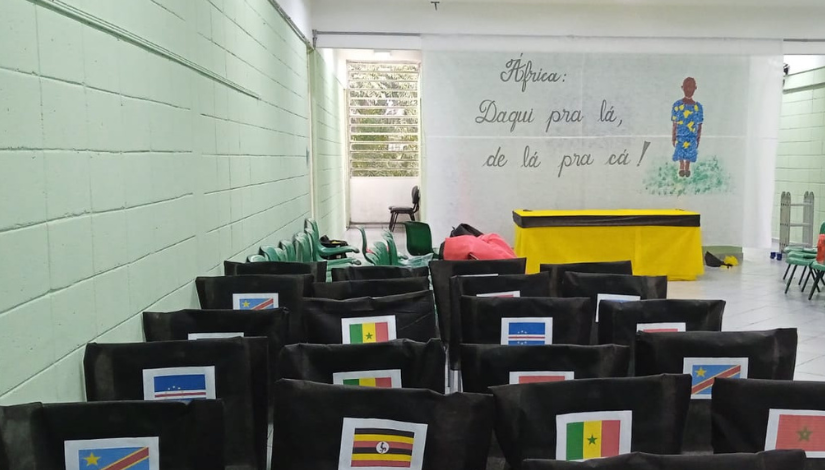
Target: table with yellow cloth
column 658, row 242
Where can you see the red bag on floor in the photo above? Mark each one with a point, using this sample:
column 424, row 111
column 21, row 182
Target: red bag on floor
column 820, row 249
column 487, row 246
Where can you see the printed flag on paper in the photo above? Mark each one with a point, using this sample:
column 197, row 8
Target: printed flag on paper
column 368, row 329
column 390, row 378
column 133, row 453
column 254, row 301
column 179, row 383
column 583, row 436
column 192, row 336
column 615, row 298
column 381, row 444
column 797, row 429
column 705, row 370
column 675, row 327
column 529, row 377
column 526, row 331
column 511, row 293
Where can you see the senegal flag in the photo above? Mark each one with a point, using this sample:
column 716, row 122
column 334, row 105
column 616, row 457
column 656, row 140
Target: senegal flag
column 387, row 378
column 368, row 329
column 797, row 429
column 381, row 444
column 582, row 436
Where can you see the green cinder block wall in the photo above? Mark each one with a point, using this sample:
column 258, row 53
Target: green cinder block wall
column 126, row 174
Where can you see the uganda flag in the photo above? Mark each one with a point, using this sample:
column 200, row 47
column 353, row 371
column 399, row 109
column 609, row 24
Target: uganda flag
column 362, row 330
column 389, row 378
column 381, row 444
column 797, row 429
column 140, row 453
column 583, row 436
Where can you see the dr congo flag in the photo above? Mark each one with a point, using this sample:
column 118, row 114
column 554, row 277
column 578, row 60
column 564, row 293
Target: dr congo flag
column 753, row 415
column 710, row 356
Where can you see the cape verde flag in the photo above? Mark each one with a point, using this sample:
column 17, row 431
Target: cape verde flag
column 705, row 370
column 254, row 301
column 132, row 453
column 179, row 383
column 527, row 331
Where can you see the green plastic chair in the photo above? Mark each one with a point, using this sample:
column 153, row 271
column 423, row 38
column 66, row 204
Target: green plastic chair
column 799, row 249
column 255, row 258
column 382, row 254
column 331, row 263
column 797, row 260
column 371, row 257
column 303, row 248
column 322, row 253
column 818, row 271
column 289, row 249
column 419, row 238
column 269, row 253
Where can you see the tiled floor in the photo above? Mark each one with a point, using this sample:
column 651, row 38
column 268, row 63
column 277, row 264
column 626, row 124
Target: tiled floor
column 755, row 301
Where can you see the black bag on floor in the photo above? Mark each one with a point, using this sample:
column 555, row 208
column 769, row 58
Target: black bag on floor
column 395, row 364
column 752, row 415
column 488, row 320
column 86, row 436
column 186, row 370
column 366, row 273
column 317, row 269
column 557, row 271
column 371, row 320
column 553, row 420
column 258, row 292
column 777, row 460
column 489, row 365
column 217, row 324
column 442, row 271
column 329, row 427
column 504, row 286
column 710, row 355
column 342, row 290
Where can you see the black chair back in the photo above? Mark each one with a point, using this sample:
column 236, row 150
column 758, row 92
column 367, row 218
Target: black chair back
column 557, row 271
column 365, row 273
column 776, row 460
column 317, row 269
column 343, row 290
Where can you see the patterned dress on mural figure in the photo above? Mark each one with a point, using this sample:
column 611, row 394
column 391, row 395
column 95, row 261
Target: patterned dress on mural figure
column 687, row 116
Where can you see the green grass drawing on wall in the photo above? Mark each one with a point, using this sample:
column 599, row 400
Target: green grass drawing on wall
column 708, row 176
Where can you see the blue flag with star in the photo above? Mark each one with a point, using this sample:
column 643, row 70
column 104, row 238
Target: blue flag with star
column 119, row 458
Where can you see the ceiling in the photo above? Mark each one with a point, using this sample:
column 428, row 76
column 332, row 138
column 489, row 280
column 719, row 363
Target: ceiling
column 676, row 3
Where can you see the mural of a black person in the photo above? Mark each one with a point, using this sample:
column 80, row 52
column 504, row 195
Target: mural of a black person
column 687, row 116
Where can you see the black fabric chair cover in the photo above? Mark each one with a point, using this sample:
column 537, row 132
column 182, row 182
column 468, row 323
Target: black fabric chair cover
column 119, row 372
column 443, row 270
column 180, row 436
column 396, row 364
column 620, row 320
column 557, row 271
column 595, row 286
column 488, row 365
column 776, row 460
column 413, row 314
column 311, row 421
column 317, row 269
column 342, row 290
column 481, row 317
column 530, row 418
column 744, row 411
column 366, row 273
column 506, row 285
column 214, row 324
column 705, row 355
column 225, row 292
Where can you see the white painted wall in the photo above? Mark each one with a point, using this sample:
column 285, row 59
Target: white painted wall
column 371, row 198
column 618, row 19
column 126, row 174
column 300, row 13
column 803, row 63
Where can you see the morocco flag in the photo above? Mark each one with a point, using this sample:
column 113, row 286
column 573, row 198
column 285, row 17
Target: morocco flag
column 797, row 429
column 582, row 436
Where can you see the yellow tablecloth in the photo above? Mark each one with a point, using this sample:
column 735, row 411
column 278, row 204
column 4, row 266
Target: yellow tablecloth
column 658, row 242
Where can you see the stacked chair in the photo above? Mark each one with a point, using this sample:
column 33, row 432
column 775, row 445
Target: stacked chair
column 463, row 365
